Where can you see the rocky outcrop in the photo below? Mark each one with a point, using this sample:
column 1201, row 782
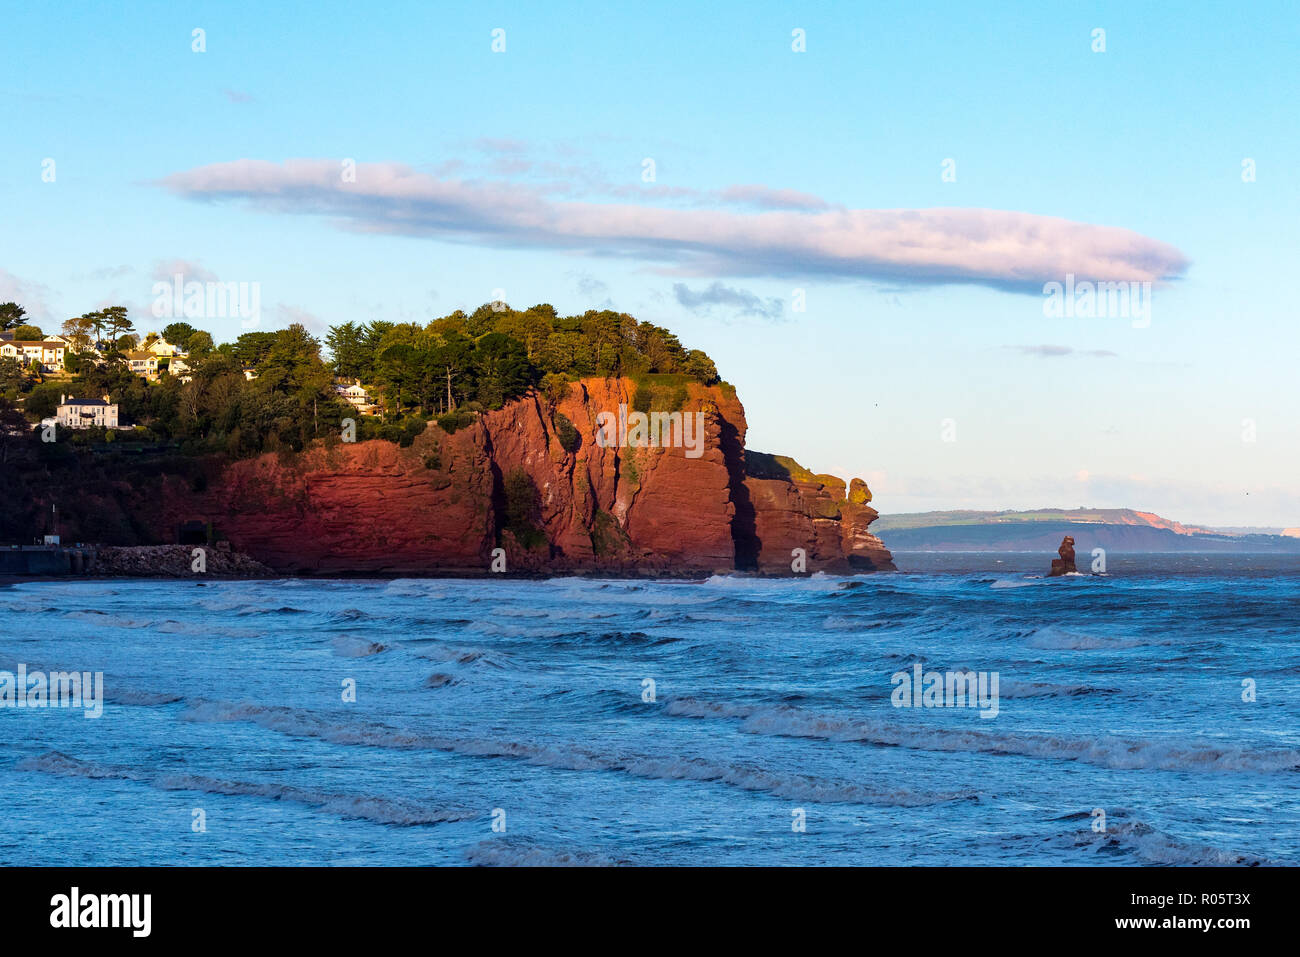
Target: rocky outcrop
column 537, row 480
column 795, row 510
column 1065, row 564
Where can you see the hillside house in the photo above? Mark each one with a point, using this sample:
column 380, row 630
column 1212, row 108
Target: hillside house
column 356, row 396
column 49, row 353
column 161, row 347
column 143, row 363
column 178, row 367
column 87, row 413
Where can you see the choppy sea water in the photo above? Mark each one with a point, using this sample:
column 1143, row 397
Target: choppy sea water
column 482, row 702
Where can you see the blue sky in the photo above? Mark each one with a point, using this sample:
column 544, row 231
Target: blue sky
column 523, row 170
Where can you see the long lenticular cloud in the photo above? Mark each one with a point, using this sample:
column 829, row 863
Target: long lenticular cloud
column 1018, row 251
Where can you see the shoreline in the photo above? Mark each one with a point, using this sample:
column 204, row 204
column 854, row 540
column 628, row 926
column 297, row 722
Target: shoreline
column 595, row 575
column 221, row 561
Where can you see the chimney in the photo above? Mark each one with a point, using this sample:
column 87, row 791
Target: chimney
column 107, row 400
column 63, row 400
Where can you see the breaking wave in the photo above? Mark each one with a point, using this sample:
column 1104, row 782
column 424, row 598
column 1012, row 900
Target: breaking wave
column 1052, row 638
column 348, row 646
column 1137, row 839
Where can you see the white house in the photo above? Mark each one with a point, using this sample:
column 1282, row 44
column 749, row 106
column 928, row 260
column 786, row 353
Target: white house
column 87, row 413
column 356, row 396
column 49, row 353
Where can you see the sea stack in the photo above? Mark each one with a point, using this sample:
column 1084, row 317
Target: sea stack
column 1065, row 564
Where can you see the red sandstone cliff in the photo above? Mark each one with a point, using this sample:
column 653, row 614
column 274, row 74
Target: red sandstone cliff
column 444, row 504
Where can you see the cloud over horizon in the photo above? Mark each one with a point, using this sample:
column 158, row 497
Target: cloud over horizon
column 1004, row 249
column 743, row 301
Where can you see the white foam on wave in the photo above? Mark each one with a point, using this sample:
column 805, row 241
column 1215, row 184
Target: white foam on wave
column 1155, row 847
column 349, row 646
column 1108, row 752
column 1055, row 638
column 776, row 587
column 842, row 623
column 56, row 762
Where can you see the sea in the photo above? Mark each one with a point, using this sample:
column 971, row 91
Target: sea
column 1146, row 716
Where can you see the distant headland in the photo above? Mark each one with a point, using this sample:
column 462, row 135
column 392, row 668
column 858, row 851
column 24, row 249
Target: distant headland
column 1041, row 530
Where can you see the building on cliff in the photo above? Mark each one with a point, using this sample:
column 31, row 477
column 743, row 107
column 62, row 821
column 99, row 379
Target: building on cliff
column 355, row 395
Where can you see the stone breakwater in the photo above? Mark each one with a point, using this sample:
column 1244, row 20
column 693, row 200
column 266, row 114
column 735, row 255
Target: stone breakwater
column 175, row 561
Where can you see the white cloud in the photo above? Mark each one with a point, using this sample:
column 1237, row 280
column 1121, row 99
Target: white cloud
column 1012, row 250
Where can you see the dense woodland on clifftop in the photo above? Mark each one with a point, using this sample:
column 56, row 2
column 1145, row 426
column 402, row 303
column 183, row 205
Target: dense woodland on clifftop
column 275, row 391
column 450, row 369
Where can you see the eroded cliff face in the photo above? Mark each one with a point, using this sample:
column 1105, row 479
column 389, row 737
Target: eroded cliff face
column 794, row 509
column 532, row 479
